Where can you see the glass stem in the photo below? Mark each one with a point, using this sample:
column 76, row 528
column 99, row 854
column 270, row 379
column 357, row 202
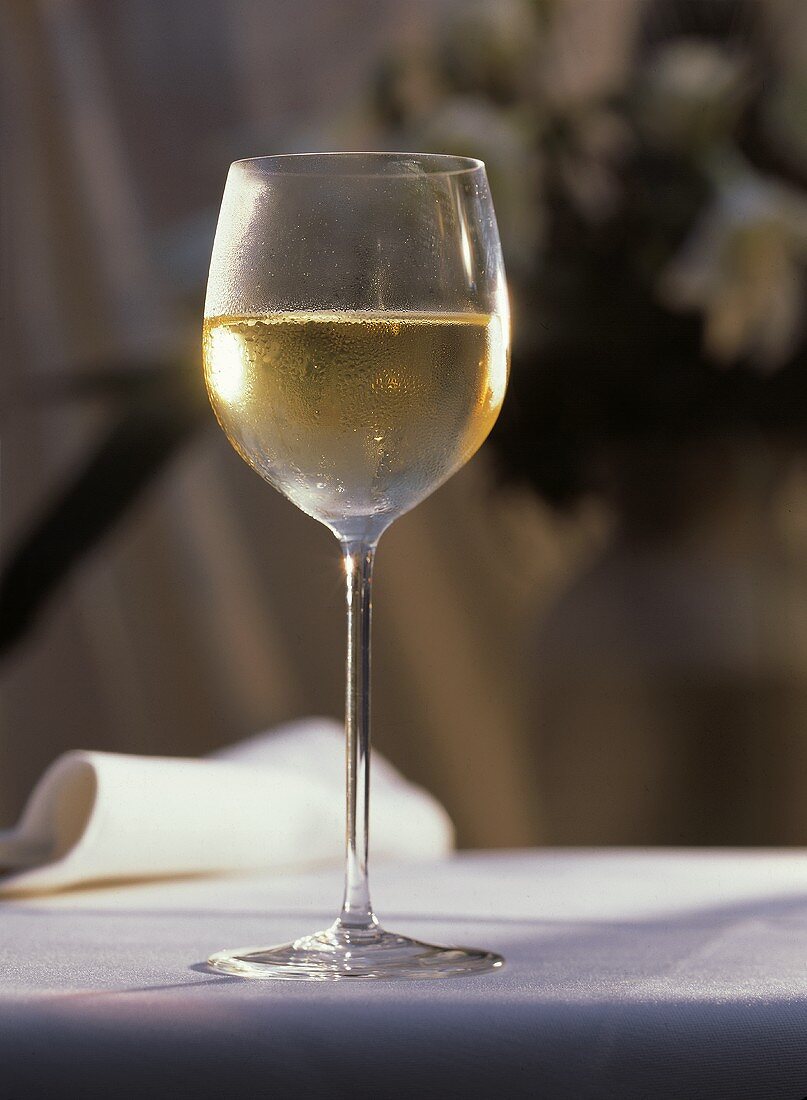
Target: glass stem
column 357, row 911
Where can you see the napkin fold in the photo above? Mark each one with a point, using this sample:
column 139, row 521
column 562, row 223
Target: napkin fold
column 275, row 801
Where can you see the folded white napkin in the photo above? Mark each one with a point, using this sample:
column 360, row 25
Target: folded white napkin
column 274, row 801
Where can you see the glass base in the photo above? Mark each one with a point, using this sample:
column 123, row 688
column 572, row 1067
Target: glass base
column 341, row 953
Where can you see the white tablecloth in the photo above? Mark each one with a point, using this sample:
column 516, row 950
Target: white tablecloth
column 630, row 974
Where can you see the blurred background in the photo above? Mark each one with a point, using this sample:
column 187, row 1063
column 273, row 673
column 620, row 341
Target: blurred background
column 596, row 633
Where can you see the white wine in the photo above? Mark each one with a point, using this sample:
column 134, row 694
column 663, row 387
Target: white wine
column 356, row 414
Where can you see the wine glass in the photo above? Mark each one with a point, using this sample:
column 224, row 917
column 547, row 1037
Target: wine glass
column 356, row 349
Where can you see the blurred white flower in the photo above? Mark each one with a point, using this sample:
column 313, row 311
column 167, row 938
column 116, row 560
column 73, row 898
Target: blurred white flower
column 691, row 94
column 743, row 266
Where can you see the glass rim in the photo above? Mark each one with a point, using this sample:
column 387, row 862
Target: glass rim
column 453, row 165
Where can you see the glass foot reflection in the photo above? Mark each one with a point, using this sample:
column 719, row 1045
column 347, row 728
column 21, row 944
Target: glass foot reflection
column 339, row 953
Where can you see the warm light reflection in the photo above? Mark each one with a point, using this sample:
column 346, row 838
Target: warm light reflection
column 228, row 377
column 465, row 249
column 499, row 358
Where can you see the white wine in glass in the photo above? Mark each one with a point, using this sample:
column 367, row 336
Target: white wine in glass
column 356, row 349
column 356, row 413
